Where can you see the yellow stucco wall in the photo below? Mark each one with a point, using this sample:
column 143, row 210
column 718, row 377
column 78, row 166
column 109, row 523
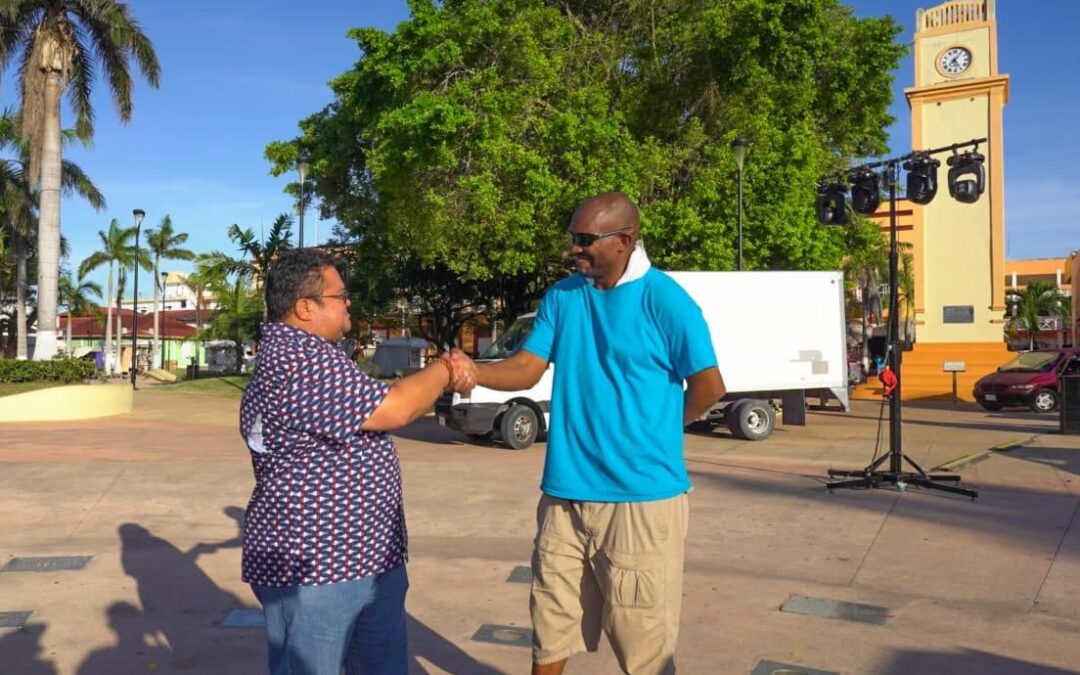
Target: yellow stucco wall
column 71, row 402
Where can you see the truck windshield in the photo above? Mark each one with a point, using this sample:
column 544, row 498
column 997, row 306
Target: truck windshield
column 511, row 340
column 1030, row 362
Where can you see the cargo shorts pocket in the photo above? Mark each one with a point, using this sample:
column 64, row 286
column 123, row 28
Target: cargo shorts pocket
column 630, row 579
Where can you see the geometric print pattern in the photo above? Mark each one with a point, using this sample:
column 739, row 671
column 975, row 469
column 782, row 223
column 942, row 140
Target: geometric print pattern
column 327, row 504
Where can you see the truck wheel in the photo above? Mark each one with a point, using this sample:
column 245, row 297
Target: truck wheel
column 519, row 427
column 1044, row 400
column 752, row 420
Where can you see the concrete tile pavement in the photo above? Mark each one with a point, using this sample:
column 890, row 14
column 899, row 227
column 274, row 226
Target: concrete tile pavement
column 155, row 496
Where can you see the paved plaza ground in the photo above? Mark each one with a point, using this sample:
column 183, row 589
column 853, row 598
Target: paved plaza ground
column 157, row 497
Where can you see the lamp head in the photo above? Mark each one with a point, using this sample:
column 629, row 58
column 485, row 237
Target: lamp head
column 830, row 204
column 303, row 164
column 967, row 177
column 139, row 215
column 865, row 190
column 922, row 180
column 738, row 149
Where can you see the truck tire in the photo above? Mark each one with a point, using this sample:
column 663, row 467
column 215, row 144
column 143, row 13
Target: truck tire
column 751, row 420
column 518, row 427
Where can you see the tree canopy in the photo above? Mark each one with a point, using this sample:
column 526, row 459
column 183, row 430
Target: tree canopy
column 463, row 139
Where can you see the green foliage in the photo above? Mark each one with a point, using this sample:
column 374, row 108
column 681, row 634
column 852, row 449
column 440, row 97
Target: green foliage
column 56, row 370
column 460, row 143
column 1038, row 299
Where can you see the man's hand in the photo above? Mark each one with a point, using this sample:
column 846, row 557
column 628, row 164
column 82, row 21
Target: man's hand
column 462, row 370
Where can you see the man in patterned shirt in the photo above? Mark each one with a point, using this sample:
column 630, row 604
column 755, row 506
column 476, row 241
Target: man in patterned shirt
column 325, row 543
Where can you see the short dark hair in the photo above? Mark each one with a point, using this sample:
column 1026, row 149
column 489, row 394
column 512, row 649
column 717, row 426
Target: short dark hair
column 295, row 274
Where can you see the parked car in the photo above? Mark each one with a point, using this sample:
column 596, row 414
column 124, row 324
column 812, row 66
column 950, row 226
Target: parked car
column 1031, row 380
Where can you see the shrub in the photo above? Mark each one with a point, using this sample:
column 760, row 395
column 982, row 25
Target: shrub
column 57, row 370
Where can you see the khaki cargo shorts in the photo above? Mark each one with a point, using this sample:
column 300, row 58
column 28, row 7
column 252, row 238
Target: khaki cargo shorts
column 611, row 566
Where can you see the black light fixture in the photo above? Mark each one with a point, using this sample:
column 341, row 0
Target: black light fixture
column 831, row 204
column 967, row 177
column 922, row 178
column 865, row 190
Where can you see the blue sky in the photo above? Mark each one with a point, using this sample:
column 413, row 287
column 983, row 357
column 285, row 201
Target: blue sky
column 238, row 75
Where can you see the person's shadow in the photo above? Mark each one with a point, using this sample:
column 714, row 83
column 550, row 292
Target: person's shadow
column 20, row 650
column 178, row 626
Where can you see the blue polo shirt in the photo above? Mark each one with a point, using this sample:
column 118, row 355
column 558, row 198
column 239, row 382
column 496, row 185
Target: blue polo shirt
column 621, row 356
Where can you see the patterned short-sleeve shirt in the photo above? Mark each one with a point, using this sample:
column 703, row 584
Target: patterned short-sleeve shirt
column 327, row 504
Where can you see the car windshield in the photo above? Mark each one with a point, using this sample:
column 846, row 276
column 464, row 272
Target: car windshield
column 511, row 340
column 1031, row 362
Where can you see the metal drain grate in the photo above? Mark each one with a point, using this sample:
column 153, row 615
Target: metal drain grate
column 836, row 609
column 520, row 575
column 246, row 617
column 63, row 563
column 774, row 668
column 512, row 636
column 14, row 619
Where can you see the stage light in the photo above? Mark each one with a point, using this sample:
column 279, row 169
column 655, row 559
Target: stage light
column 830, row 204
column 922, row 178
column 967, row 178
column 865, row 193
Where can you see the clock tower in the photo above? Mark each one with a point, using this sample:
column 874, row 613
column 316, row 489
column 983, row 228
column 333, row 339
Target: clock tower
column 959, row 95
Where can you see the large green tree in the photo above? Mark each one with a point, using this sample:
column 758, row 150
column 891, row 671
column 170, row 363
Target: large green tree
column 466, row 136
column 60, row 45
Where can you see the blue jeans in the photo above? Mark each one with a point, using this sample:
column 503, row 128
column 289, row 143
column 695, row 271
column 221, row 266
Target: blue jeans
column 358, row 625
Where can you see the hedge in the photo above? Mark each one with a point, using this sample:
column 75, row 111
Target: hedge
column 57, row 370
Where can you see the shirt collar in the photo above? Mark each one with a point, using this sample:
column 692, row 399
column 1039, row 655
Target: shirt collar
column 636, row 267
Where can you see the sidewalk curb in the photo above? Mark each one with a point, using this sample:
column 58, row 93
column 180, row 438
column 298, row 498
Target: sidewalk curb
column 977, row 457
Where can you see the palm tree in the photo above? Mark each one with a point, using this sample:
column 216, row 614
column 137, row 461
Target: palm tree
column 906, row 289
column 117, row 249
column 164, row 244
column 20, row 215
column 239, row 313
column 1026, row 305
column 60, row 45
column 255, row 256
column 75, row 297
column 200, row 281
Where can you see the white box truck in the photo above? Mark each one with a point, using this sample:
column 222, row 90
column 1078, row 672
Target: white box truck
column 778, row 336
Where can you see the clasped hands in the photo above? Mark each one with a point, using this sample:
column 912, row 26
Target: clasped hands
column 462, row 370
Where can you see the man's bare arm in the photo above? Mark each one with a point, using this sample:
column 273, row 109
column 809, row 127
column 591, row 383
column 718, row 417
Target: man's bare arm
column 409, row 398
column 520, row 371
column 703, row 388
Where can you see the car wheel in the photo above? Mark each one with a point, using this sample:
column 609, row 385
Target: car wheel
column 1044, row 400
column 752, row 420
column 990, row 406
column 518, row 427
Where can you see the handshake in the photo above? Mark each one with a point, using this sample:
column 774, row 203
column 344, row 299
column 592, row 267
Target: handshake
column 462, row 370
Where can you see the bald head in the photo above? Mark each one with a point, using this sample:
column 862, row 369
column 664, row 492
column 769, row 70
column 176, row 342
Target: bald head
column 608, row 212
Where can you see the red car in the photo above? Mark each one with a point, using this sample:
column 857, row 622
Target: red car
column 1031, row 380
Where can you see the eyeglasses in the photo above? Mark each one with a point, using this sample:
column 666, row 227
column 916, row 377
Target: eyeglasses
column 585, row 239
column 342, row 296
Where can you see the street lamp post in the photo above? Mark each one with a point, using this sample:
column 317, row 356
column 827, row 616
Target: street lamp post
column 139, row 215
column 738, row 148
column 303, row 163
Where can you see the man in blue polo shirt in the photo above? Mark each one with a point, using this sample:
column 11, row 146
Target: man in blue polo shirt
column 613, row 513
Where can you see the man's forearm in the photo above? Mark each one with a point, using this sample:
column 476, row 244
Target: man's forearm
column 513, row 374
column 702, row 391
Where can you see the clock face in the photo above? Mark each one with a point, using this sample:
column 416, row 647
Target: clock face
column 954, row 60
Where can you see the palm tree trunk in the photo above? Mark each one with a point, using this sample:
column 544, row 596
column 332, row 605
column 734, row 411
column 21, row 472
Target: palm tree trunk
column 157, row 326
column 18, row 245
column 110, row 364
column 67, row 338
column 49, row 222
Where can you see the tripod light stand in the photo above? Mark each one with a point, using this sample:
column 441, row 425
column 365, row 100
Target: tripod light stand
column 966, row 182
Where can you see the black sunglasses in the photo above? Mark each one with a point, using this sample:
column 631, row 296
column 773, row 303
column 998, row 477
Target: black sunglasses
column 585, row 239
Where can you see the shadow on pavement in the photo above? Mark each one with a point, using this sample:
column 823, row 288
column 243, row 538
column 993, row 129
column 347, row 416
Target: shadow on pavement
column 965, row 663
column 1062, row 459
column 440, row 652
column 21, row 651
